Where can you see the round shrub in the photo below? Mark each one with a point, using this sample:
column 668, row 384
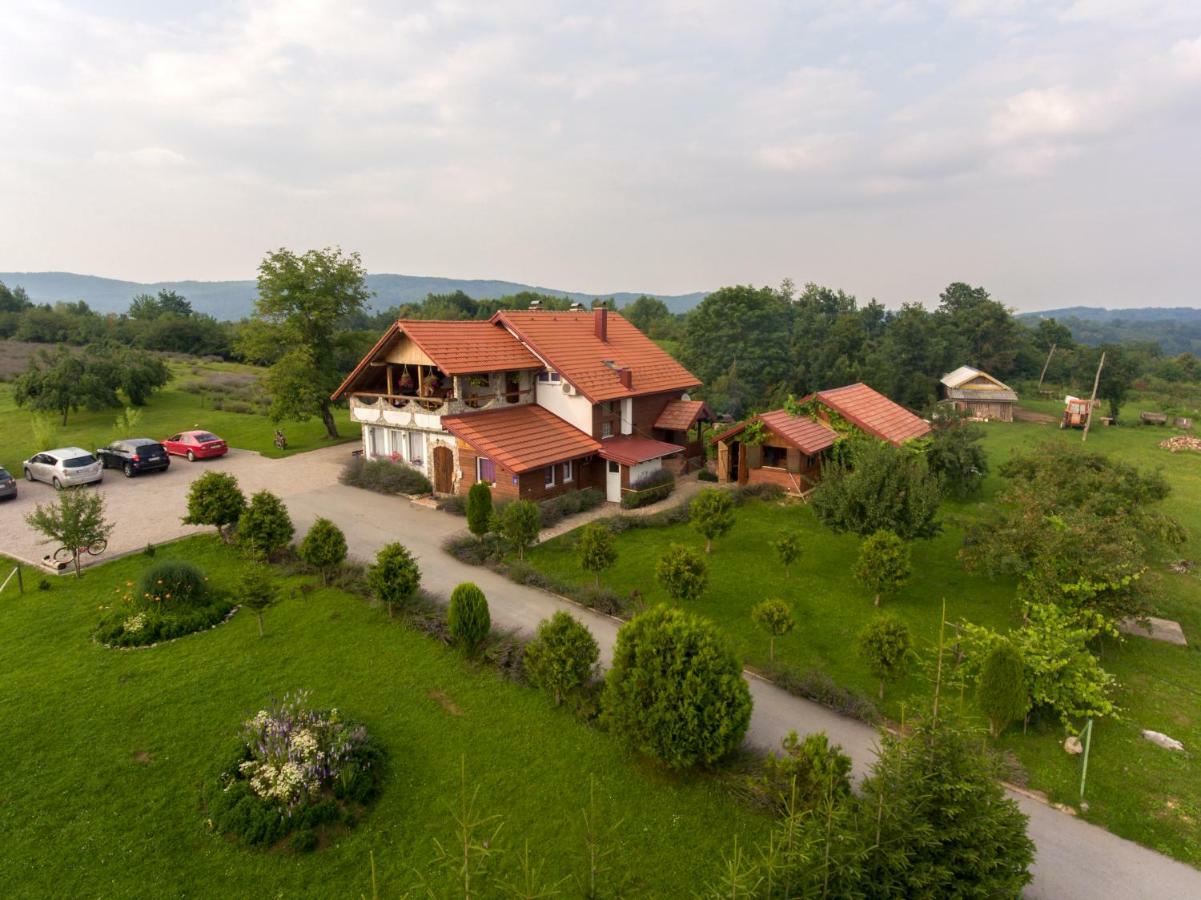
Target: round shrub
column 172, row 584
column 468, row 619
column 293, row 770
column 676, row 691
column 265, row 527
column 563, row 657
column 683, row 573
column 395, row 577
column 323, row 548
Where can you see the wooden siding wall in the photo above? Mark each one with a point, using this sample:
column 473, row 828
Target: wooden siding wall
column 987, row 409
column 531, row 485
column 644, row 412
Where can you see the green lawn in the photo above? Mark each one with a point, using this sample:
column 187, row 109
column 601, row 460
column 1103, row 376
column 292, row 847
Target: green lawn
column 174, row 408
column 1135, row 788
column 104, row 754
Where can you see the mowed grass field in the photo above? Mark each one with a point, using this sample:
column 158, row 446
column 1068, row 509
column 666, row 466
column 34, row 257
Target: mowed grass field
column 1134, row 787
column 105, row 753
column 179, row 406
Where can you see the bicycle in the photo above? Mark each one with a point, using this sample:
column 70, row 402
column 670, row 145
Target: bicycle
column 65, row 554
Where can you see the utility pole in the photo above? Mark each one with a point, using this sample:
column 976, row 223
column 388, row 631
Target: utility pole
column 1093, row 401
column 1043, row 374
column 1088, row 743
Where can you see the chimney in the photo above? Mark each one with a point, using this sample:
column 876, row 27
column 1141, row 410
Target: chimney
column 626, row 376
column 600, row 323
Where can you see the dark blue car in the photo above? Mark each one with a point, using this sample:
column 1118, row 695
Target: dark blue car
column 133, row 456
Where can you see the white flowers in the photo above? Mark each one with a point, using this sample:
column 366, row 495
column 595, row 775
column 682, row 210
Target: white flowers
column 136, row 623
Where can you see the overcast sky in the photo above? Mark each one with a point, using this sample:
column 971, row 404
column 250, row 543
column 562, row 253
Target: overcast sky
column 1048, row 150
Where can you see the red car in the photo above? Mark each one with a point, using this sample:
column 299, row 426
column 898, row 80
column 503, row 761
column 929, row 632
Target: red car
column 196, row 445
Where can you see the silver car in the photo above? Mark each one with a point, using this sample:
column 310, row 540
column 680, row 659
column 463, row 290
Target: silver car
column 65, row 467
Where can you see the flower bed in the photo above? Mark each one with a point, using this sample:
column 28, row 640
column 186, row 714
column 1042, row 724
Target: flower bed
column 296, row 771
column 170, row 600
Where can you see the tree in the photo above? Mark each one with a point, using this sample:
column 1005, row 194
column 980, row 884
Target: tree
column 982, row 332
column 743, row 325
column 60, row 383
column 323, row 548
column 596, row 548
column 883, row 565
column 957, row 459
column 936, row 819
column 258, row 592
column 884, row 644
column 136, row 372
column 1117, row 377
column 882, row 488
column 1059, row 671
column 302, row 301
column 395, row 577
column 646, row 312
column 563, row 656
column 520, row 523
column 479, row 508
column 683, row 573
column 215, row 499
column 1001, row 690
column 75, row 520
column 147, row 307
column 675, row 690
column 468, row 619
column 788, row 548
column 808, row 772
column 774, row 617
column 712, row 514
column 265, row 527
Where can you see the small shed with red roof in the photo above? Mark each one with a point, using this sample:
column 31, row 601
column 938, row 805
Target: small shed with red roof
column 788, row 449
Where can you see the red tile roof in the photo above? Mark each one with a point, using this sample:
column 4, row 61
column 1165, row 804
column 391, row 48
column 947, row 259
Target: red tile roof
column 680, row 415
column 874, row 413
column 461, row 348
column 805, row 434
column 457, row 348
column 630, row 450
column 566, row 340
column 521, row 438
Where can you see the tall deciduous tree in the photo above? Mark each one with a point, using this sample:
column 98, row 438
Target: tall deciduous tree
column 884, row 644
column 744, row 325
column 75, row 520
column 60, row 383
column 302, row 301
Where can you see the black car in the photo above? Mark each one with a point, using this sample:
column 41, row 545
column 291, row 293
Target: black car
column 8, row 484
column 134, row 456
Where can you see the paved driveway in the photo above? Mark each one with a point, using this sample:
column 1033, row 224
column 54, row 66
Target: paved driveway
column 1075, row 859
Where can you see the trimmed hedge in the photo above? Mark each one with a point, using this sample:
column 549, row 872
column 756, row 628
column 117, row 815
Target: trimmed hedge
column 652, row 488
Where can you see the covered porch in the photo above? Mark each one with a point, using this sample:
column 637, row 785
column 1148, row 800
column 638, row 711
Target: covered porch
column 683, row 422
column 774, row 448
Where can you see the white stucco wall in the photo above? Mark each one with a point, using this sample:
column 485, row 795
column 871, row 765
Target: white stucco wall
column 576, row 410
column 627, row 417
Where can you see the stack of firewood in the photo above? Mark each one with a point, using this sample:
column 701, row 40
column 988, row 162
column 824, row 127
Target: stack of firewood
column 1182, row 442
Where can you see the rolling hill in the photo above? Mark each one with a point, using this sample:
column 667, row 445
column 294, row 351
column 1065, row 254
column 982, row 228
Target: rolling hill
column 234, row 299
column 1174, row 329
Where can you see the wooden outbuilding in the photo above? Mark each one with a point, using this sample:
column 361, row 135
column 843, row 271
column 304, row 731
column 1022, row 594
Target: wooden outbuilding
column 978, row 394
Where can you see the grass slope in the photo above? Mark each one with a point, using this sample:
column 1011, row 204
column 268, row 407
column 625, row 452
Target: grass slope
column 177, row 407
column 1135, row 788
column 105, row 753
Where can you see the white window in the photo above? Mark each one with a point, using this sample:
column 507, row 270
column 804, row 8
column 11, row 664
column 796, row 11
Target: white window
column 547, row 376
column 568, row 471
column 548, row 478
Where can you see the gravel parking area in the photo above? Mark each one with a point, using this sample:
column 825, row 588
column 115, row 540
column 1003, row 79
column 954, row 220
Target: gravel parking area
column 147, row 509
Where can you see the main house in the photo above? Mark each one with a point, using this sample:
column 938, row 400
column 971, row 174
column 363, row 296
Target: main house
column 533, row 402
column 788, row 449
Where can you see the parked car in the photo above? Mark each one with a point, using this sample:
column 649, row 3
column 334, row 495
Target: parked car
column 196, row 445
column 65, row 467
column 133, row 456
column 8, row 484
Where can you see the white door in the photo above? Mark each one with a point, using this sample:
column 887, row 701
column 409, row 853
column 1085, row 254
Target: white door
column 613, row 482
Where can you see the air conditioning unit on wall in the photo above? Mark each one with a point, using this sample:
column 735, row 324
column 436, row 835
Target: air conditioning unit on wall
column 569, row 389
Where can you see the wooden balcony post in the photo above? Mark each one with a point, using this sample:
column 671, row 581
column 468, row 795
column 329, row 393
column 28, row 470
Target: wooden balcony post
column 391, row 392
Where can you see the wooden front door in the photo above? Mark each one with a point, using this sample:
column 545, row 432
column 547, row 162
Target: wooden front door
column 444, row 460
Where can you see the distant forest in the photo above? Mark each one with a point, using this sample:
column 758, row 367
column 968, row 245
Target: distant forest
column 1175, row 330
